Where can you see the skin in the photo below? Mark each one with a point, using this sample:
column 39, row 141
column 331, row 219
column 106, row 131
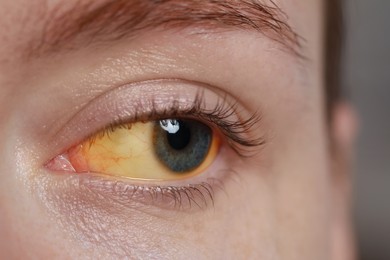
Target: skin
column 288, row 201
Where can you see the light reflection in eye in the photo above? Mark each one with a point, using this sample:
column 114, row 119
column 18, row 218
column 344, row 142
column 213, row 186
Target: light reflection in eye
column 168, row 149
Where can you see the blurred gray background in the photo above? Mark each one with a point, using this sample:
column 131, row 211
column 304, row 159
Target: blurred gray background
column 367, row 78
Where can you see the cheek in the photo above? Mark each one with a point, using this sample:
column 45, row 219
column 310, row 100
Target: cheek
column 303, row 177
column 236, row 226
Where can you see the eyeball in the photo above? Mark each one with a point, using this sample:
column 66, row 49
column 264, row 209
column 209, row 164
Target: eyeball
column 168, row 149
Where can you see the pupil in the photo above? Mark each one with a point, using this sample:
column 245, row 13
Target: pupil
column 181, row 138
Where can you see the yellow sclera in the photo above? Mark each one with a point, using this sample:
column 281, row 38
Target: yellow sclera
column 129, row 152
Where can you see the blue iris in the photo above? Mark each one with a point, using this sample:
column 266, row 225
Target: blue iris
column 181, row 145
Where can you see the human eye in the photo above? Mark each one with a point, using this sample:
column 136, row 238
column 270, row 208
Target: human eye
column 164, row 142
column 165, row 149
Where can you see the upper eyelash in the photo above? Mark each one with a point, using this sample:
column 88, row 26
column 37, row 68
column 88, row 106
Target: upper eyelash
column 236, row 132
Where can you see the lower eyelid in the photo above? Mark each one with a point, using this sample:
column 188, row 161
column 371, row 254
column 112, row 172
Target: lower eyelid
column 94, row 189
column 97, row 211
column 190, row 197
column 192, row 194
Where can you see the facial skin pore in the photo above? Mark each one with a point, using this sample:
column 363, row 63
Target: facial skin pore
column 68, row 68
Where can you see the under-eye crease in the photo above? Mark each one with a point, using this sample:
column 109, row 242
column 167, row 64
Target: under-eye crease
column 219, row 121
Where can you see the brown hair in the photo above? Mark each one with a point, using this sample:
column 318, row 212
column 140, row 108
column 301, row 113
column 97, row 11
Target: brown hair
column 334, row 39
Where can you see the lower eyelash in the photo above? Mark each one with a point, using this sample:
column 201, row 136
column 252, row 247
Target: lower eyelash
column 189, row 197
column 186, row 197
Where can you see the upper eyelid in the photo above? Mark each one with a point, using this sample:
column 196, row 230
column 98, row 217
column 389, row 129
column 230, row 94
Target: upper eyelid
column 218, row 116
column 119, row 191
column 124, row 103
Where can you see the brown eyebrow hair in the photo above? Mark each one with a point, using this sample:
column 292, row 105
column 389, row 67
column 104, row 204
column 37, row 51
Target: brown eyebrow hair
column 115, row 19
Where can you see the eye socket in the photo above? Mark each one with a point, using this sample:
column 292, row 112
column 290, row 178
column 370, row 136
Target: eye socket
column 173, row 144
column 168, row 149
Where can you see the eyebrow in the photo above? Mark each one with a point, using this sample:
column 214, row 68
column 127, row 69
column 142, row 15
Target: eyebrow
column 112, row 20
